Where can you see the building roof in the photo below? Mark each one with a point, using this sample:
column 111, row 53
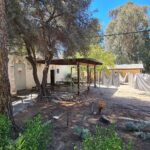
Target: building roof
column 72, row 61
column 128, row 66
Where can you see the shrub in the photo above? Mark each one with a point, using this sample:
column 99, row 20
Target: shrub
column 35, row 137
column 5, row 136
column 105, row 139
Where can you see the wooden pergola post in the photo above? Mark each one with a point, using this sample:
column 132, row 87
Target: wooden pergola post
column 99, row 80
column 78, row 75
column 95, row 76
column 88, row 77
column 71, row 77
column 71, row 71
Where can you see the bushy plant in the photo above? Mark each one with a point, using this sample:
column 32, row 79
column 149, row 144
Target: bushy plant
column 105, row 139
column 81, row 132
column 35, row 137
column 5, row 138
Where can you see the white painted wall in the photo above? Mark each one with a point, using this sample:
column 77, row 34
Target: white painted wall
column 63, row 71
column 14, row 59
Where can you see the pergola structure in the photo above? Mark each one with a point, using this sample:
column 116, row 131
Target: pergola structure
column 77, row 62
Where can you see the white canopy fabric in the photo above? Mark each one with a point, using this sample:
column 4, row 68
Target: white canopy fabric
column 115, row 79
column 142, row 82
column 137, row 81
column 123, row 79
column 106, row 80
column 112, row 79
column 131, row 79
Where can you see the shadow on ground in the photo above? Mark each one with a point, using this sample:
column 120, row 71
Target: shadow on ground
column 119, row 104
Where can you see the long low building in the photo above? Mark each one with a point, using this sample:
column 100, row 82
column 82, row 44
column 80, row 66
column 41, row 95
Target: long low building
column 123, row 69
column 21, row 77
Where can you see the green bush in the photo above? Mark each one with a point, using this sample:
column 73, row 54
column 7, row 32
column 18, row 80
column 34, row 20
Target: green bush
column 36, row 136
column 5, row 130
column 105, row 139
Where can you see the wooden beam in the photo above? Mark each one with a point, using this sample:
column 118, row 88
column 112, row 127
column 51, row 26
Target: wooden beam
column 78, row 75
column 95, row 76
column 71, row 77
column 88, row 87
column 99, row 78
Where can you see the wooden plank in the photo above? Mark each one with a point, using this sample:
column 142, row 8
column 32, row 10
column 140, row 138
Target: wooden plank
column 74, row 61
column 88, row 87
column 78, row 76
column 95, row 76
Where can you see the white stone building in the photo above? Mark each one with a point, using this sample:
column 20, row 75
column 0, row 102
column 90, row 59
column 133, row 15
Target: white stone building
column 21, row 77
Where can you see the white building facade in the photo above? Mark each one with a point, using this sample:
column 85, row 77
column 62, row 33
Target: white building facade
column 21, row 77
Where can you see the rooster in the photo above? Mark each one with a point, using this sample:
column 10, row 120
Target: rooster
column 101, row 106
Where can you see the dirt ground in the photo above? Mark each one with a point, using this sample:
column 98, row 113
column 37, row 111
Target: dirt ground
column 120, row 102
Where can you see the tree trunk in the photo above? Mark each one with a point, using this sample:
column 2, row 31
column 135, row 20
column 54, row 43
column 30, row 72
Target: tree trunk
column 34, row 68
column 35, row 75
column 48, row 59
column 5, row 97
column 31, row 54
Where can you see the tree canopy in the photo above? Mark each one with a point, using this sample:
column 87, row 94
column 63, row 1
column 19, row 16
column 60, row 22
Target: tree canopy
column 98, row 53
column 129, row 48
column 47, row 23
column 42, row 25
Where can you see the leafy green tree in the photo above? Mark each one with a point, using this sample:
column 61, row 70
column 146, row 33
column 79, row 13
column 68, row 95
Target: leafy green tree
column 128, row 48
column 98, row 53
column 107, row 57
column 145, row 55
column 43, row 24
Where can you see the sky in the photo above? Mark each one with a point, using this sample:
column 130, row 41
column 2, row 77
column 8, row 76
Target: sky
column 104, row 6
